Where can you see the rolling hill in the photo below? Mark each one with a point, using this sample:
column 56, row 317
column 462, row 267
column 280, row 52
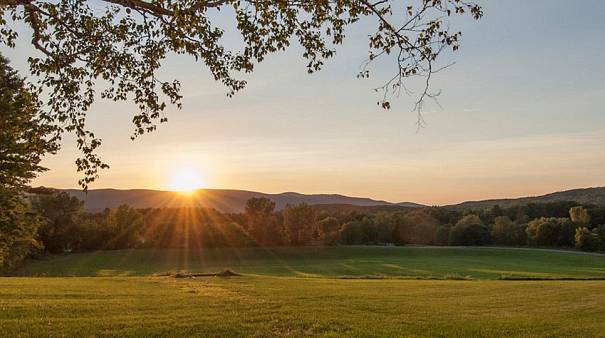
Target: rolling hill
column 235, row 200
column 584, row 196
column 220, row 199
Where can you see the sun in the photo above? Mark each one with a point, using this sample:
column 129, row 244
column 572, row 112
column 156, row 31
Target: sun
column 186, row 180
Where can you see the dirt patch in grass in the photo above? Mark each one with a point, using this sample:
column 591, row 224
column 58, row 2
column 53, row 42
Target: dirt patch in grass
column 224, row 274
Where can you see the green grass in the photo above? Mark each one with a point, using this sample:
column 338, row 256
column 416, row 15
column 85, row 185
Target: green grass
column 269, row 306
column 410, row 262
column 271, row 298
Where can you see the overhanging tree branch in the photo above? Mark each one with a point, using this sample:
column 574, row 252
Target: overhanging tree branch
column 124, row 45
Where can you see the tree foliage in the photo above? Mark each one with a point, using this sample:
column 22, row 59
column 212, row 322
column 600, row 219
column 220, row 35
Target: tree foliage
column 25, row 137
column 329, row 228
column 61, row 213
column 579, row 215
column 469, row 230
column 417, row 227
column 300, row 223
column 352, row 233
column 506, row 232
column 262, row 223
column 18, row 231
column 551, row 231
column 442, row 234
column 198, row 228
column 127, row 223
column 587, row 240
column 115, row 48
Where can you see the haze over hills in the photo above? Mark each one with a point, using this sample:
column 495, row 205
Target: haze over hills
column 220, row 199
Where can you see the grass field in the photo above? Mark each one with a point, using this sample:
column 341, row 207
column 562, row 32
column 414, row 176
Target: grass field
column 423, row 262
column 269, row 306
column 271, row 298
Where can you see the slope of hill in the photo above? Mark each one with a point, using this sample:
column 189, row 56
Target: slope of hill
column 235, row 200
column 370, row 209
column 220, row 199
column 584, row 196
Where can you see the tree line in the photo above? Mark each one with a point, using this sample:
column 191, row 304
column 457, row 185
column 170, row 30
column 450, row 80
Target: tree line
column 64, row 226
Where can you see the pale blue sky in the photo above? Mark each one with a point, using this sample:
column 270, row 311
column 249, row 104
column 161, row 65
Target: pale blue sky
column 522, row 114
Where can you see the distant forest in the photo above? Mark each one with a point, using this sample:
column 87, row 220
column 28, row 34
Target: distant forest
column 66, row 227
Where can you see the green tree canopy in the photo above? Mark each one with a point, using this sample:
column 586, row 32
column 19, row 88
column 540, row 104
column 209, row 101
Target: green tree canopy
column 469, row 230
column 61, row 213
column 551, row 231
column 24, row 138
column 261, row 221
column 299, row 223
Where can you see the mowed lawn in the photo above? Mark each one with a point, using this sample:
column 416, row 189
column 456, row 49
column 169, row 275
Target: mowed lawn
column 336, row 291
column 266, row 306
column 359, row 261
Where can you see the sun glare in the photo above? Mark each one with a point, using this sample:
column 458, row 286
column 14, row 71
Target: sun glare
column 186, row 180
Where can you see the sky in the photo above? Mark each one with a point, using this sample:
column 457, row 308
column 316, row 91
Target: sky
column 521, row 114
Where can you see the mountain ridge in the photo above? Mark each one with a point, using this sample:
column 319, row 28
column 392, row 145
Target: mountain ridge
column 591, row 195
column 234, row 200
column 226, row 200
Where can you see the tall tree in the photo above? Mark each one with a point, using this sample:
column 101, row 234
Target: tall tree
column 25, row 136
column 300, row 223
column 61, row 213
column 262, row 223
column 123, row 43
column 24, row 139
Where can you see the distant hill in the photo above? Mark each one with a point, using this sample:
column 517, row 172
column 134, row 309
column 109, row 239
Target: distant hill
column 235, row 200
column 370, row 209
column 220, row 199
column 584, row 196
